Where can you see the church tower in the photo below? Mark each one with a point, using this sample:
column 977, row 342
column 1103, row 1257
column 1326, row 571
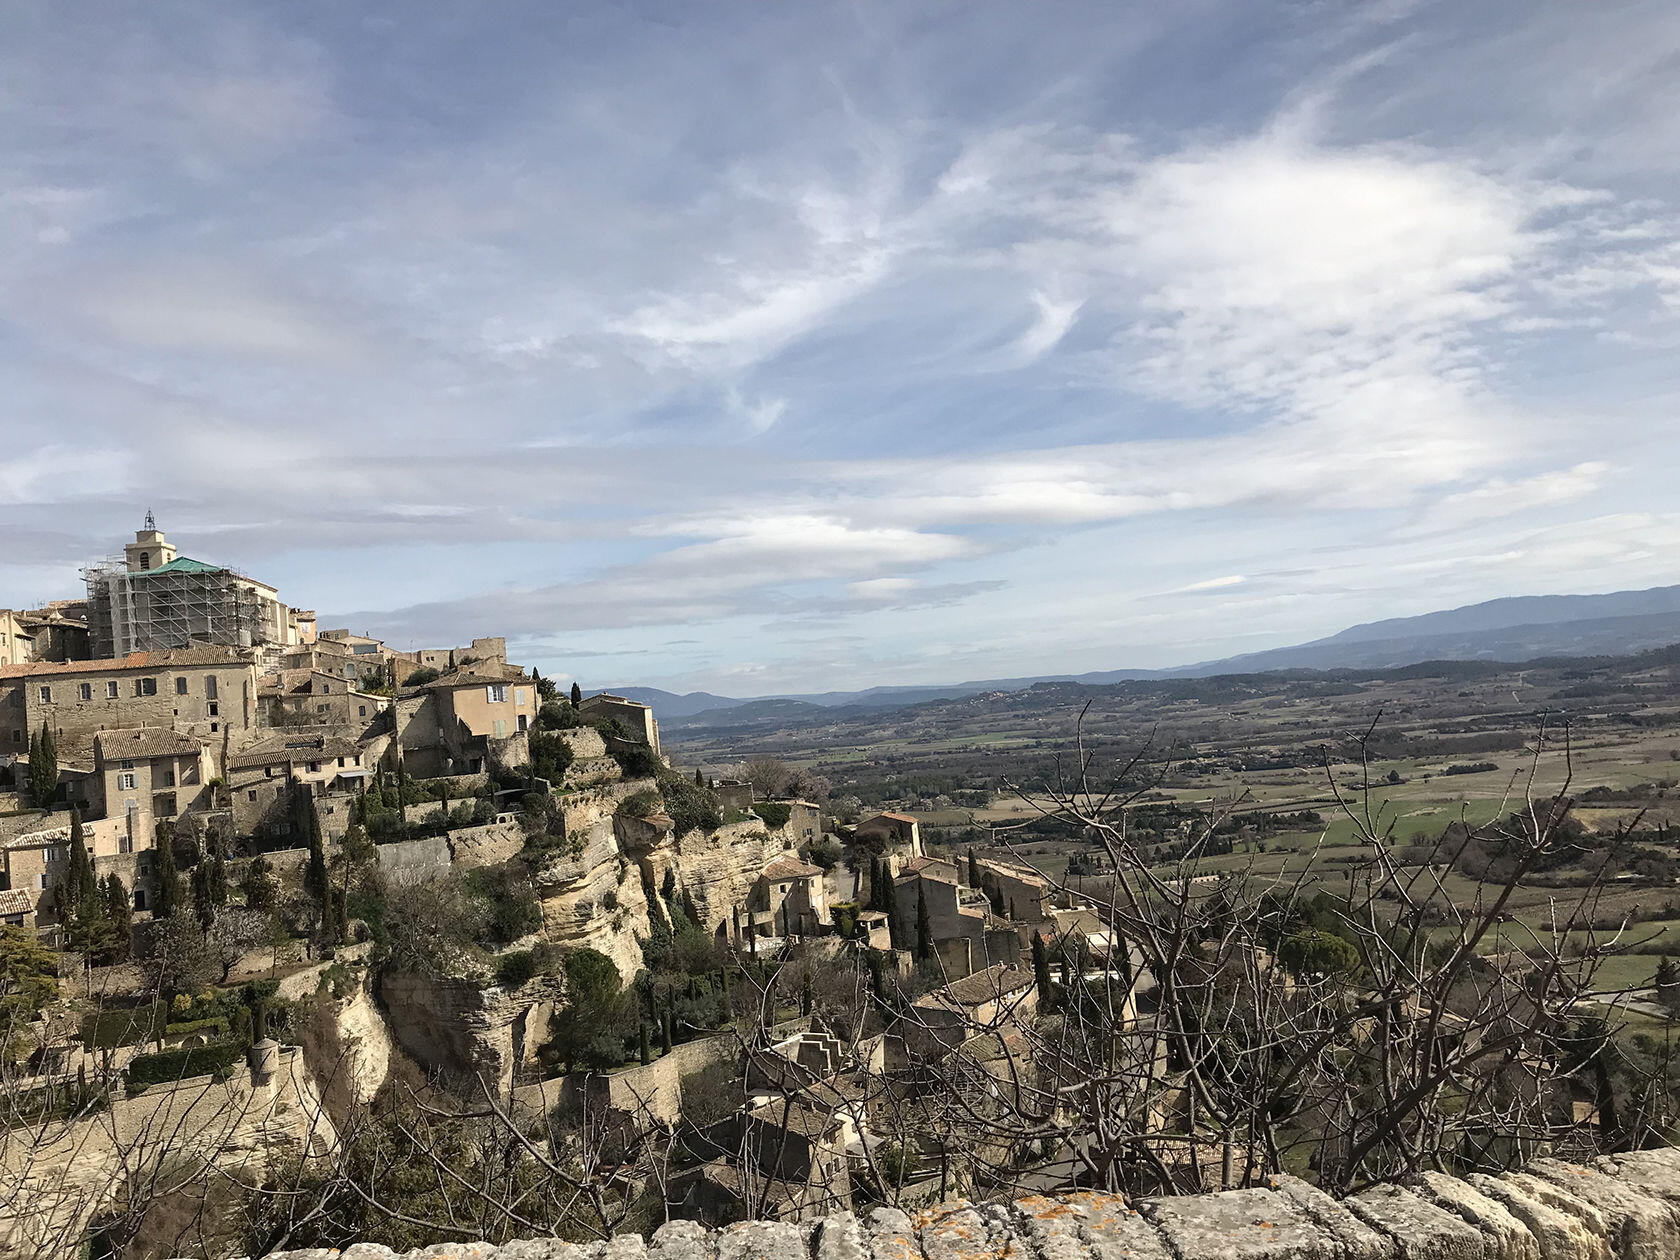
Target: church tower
column 150, row 549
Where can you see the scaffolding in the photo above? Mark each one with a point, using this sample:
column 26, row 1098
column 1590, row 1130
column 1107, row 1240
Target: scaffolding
column 174, row 607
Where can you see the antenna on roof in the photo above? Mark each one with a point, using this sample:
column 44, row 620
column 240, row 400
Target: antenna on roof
column 151, row 523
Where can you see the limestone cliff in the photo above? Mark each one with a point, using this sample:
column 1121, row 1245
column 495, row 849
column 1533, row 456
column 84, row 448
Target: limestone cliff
column 467, row 1034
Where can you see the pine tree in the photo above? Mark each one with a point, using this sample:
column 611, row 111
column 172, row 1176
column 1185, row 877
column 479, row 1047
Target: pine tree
column 577, row 695
column 973, row 870
column 120, row 915
column 166, row 897
column 1041, row 971
column 924, row 925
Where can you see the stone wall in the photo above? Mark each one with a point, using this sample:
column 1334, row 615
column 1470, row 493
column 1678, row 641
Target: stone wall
column 1625, row 1207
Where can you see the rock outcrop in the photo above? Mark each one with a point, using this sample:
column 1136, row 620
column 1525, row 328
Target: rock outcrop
column 471, row 1036
column 1625, row 1207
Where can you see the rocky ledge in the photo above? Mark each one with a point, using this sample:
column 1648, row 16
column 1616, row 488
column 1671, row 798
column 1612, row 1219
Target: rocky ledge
column 1625, row 1207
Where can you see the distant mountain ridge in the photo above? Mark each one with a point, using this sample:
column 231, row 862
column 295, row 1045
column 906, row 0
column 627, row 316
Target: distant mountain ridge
column 1514, row 629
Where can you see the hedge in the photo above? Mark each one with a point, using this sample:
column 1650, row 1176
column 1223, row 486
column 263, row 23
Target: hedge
column 124, row 1026
column 184, row 1063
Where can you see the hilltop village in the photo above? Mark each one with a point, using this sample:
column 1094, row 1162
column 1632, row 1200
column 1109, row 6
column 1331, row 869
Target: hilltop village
column 255, row 874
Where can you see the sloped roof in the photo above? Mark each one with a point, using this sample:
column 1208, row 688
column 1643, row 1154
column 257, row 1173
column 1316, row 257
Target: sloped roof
column 790, row 868
column 15, row 901
column 891, row 817
column 207, row 654
column 795, row 1118
column 293, row 748
column 930, row 868
column 983, row 986
column 145, row 741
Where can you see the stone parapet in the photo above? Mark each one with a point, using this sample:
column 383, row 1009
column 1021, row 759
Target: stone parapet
column 1623, row 1207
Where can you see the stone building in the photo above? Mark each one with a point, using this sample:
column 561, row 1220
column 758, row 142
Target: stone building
column 151, row 598
column 264, row 782
column 898, row 835
column 966, row 935
column 486, row 651
column 635, row 717
column 207, row 692
column 149, row 774
column 17, row 638
column 1017, row 892
column 987, row 1002
column 789, row 899
column 312, row 697
column 467, row 721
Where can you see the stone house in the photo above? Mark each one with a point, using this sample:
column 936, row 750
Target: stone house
column 264, row 781
column 636, row 717
column 209, row 693
column 790, row 898
column 17, row 908
column 304, row 697
column 17, row 638
column 487, row 651
column 966, row 935
column 467, row 721
column 780, row 1160
column 146, row 774
column 37, row 861
column 1023, row 894
column 988, row 1002
column 898, row 835
column 804, row 823
column 733, row 795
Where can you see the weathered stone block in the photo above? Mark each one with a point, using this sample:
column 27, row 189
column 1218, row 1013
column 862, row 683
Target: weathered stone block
column 1639, row 1225
column 1359, row 1241
column 1241, row 1225
column 1507, row 1238
column 891, row 1236
column 840, row 1237
column 761, row 1240
column 1558, row 1231
column 683, row 1240
column 1420, row 1230
column 1089, row 1226
column 550, row 1249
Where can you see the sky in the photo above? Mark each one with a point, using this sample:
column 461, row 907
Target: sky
column 782, row 348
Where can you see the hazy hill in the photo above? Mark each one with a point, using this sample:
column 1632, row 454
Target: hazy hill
column 1517, row 629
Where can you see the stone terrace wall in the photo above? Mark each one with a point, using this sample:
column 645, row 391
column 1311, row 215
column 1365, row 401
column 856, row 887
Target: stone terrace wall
column 1623, row 1208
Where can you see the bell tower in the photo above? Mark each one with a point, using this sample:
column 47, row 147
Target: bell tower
column 150, row 549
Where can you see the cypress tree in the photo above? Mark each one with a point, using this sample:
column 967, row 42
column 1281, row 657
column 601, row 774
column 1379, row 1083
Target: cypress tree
column 203, row 905
column 81, row 886
column 973, row 870
column 120, row 915
column 667, row 1031
column 43, row 767
column 924, row 925
column 1041, row 970
column 577, row 695
column 167, row 896
column 642, row 1043
column 699, row 779
column 807, row 994
column 315, row 880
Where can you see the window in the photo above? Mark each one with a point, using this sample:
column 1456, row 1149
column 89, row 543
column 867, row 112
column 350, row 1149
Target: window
column 497, row 693
column 314, row 767
column 46, row 695
column 125, row 844
column 145, row 559
column 215, row 709
column 111, row 689
column 210, row 692
column 125, row 783
column 125, row 764
column 501, row 729
column 145, row 686
column 166, row 778
column 45, row 881
column 214, row 727
column 180, row 686
column 268, row 772
column 524, row 722
column 341, row 761
column 519, row 695
column 251, row 795
column 361, row 710
column 139, row 898
column 84, row 691
column 53, row 854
